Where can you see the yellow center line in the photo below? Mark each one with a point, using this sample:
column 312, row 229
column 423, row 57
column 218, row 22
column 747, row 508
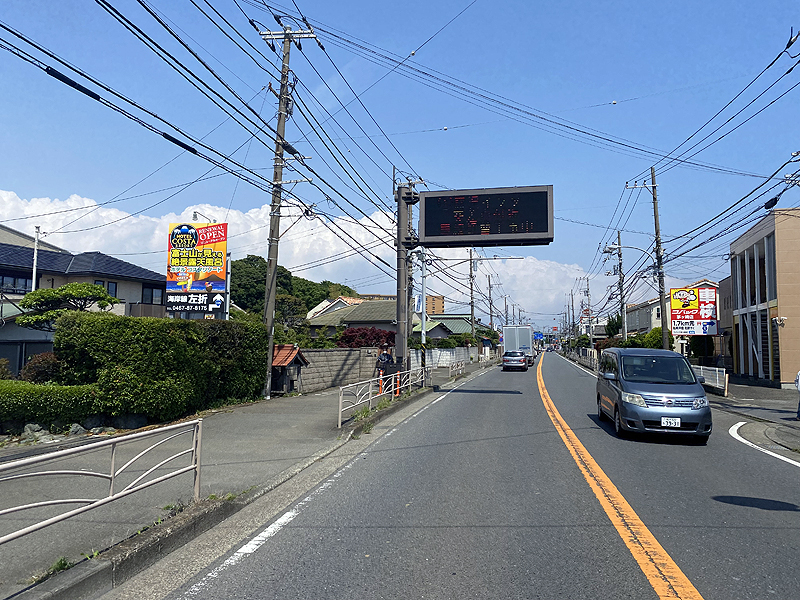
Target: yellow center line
column 664, row 575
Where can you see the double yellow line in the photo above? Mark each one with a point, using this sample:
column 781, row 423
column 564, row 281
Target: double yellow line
column 664, row 575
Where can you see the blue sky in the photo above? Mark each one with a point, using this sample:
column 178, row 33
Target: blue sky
column 646, row 74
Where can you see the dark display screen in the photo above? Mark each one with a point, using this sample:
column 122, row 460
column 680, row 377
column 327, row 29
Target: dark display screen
column 505, row 216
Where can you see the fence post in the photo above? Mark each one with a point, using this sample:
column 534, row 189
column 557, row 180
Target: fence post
column 198, row 431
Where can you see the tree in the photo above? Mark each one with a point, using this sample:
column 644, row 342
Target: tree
column 290, row 311
column 613, row 325
column 653, row 338
column 45, row 305
column 248, row 276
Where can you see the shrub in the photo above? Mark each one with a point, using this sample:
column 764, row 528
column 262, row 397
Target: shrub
column 162, row 368
column 5, row 370
column 25, row 402
column 121, row 391
column 42, row 368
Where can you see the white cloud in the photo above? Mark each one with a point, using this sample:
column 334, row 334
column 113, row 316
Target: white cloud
column 536, row 286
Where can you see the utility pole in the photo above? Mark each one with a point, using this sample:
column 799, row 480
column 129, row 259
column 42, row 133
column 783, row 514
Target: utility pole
column 662, row 294
column 589, row 308
column 622, row 309
column 35, row 258
column 491, row 306
column 277, row 180
column 471, row 296
column 572, row 313
column 505, row 305
column 660, row 266
column 405, row 197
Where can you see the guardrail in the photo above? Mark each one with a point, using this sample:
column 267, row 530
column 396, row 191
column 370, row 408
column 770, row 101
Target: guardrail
column 715, row 378
column 456, row 368
column 140, row 482
column 364, row 392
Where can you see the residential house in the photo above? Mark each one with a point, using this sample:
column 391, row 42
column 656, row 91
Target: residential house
column 140, row 291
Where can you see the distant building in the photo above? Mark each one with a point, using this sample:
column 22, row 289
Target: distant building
column 765, row 294
column 378, row 297
column 434, row 305
column 328, row 305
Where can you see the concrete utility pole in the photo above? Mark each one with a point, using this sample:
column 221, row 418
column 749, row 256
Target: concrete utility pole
column 491, row 306
column 471, row 296
column 277, row 180
column 505, row 305
column 622, row 307
column 35, row 257
column 405, row 197
column 589, row 308
column 662, row 295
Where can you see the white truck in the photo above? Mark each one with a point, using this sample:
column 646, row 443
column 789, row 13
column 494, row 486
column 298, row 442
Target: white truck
column 519, row 337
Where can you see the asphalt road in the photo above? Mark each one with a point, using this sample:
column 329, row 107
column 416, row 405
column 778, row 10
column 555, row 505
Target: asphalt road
column 505, row 489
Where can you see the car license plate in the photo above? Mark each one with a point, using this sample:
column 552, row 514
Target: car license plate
column 670, row 421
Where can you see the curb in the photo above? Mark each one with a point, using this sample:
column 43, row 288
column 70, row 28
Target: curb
column 91, row 578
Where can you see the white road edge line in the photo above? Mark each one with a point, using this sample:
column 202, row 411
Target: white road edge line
column 581, row 367
column 734, row 431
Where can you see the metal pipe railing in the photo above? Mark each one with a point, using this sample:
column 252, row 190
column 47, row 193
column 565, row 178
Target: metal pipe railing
column 392, row 386
column 194, row 427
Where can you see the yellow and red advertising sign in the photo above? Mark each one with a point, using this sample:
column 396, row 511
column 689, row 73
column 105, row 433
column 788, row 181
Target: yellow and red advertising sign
column 196, row 267
column 693, row 311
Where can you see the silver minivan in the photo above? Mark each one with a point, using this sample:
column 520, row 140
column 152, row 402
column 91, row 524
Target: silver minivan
column 648, row 390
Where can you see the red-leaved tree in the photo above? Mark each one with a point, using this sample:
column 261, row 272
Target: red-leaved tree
column 360, row 337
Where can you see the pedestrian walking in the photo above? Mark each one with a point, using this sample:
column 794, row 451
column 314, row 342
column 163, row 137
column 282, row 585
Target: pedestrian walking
column 797, row 385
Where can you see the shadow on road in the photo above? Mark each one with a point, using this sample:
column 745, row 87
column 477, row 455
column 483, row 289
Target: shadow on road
column 762, row 503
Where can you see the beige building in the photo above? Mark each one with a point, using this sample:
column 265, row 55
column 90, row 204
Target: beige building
column 765, row 292
column 434, row 305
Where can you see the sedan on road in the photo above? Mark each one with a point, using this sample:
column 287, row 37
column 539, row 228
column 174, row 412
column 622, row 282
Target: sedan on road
column 515, row 359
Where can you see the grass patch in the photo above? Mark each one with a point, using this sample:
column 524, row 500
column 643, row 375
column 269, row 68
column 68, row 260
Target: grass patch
column 368, row 427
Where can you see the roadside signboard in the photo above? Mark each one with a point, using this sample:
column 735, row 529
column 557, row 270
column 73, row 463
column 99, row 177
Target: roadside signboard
column 693, row 311
column 196, row 263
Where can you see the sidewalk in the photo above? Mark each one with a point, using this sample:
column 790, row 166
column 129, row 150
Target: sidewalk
column 248, row 450
column 777, row 408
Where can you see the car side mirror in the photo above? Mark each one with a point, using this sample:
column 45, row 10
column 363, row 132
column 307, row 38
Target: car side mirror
column 701, row 379
column 610, row 376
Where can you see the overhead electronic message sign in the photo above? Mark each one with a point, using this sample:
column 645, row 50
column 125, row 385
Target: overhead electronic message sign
column 514, row 216
column 693, row 311
column 196, row 268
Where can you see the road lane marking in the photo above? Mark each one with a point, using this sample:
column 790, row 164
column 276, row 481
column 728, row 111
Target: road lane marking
column 662, row 572
column 734, row 431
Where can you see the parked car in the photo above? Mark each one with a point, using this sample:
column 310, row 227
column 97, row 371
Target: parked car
column 515, row 359
column 651, row 391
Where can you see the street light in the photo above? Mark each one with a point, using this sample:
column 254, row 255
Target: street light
column 196, row 213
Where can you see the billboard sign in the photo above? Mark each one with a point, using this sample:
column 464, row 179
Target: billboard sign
column 514, row 216
column 693, row 311
column 196, row 268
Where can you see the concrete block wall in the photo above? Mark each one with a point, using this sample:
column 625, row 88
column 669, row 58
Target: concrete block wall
column 334, row 367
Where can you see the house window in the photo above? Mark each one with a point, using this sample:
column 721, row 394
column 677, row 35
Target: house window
column 658, row 313
column 16, row 285
column 152, row 295
column 100, row 282
column 112, row 288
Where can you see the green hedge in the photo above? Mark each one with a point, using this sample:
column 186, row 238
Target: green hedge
column 25, row 402
column 161, row 367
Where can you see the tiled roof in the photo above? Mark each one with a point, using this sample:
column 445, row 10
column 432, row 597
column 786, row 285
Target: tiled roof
column 284, row 354
column 373, row 311
column 85, row 264
column 332, row 319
